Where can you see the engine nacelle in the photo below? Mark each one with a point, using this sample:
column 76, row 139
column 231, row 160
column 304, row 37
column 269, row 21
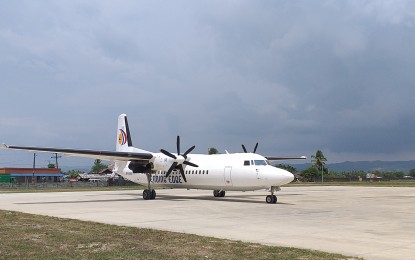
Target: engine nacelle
column 138, row 167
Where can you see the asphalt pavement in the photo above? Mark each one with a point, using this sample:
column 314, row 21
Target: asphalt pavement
column 369, row 222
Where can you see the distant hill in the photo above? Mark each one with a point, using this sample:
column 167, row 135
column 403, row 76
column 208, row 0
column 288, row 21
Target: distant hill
column 403, row 166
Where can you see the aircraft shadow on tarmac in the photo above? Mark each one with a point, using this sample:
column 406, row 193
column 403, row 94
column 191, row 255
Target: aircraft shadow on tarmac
column 241, row 199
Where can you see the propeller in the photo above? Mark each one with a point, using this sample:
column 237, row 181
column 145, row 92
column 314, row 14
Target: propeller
column 180, row 159
column 256, row 146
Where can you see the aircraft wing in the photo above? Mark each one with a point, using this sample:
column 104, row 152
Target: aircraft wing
column 274, row 158
column 94, row 154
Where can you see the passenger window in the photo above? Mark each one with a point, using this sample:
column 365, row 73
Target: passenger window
column 246, row 163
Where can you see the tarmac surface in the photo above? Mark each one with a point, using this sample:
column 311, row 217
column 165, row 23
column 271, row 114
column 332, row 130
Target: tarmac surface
column 368, row 222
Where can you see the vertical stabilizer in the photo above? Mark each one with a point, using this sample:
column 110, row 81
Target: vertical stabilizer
column 123, row 134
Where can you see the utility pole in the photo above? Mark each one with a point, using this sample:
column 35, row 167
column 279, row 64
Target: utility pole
column 34, row 167
column 56, row 159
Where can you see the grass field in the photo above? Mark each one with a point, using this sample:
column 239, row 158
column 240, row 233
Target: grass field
column 26, row 236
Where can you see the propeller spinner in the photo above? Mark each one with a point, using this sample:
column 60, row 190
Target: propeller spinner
column 180, row 159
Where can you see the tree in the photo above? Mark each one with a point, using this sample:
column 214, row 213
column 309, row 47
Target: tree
column 309, row 174
column 412, row 172
column 73, row 174
column 51, row 165
column 318, row 160
column 391, row 175
column 213, row 150
column 98, row 166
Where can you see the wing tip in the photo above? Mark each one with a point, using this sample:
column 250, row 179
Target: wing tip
column 4, row 146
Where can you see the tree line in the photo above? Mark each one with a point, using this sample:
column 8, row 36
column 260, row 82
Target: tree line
column 318, row 170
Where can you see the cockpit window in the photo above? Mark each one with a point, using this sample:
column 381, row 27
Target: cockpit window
column 246, row 163
column 260, row 162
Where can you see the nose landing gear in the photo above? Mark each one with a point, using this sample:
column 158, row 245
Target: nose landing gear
column 272, row 199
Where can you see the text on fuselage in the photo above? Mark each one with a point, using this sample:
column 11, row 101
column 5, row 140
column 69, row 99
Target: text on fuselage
column 163, row 179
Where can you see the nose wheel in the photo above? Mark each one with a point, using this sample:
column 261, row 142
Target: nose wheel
column 271, row 199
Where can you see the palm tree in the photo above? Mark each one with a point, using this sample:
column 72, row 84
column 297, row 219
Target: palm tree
column 318, row 160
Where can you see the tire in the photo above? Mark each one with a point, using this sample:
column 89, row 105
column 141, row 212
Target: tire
column 153, row 194
column 222, row 194
column 216, row 193
column 146, row 194
column 274, row 199
column 269, row 199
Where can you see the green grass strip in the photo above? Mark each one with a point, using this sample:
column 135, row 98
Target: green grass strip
column 27, row 236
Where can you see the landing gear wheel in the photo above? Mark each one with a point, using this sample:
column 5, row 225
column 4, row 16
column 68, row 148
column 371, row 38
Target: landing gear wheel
column 216, row 193
column 149, row 194
column 146, row 194
column 219, row 193
column 271, row 199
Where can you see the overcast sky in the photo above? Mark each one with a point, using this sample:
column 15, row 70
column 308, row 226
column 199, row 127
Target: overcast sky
column 296, row 76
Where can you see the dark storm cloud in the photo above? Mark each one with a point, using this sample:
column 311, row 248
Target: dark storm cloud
column 295, row 75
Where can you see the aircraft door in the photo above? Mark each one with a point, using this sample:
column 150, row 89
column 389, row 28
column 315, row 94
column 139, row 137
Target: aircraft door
column 227, row 175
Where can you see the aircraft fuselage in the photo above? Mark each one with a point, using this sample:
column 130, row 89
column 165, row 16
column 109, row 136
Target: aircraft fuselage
column 239, row 171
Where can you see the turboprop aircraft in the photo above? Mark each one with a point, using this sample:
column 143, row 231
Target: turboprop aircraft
column 220, row 172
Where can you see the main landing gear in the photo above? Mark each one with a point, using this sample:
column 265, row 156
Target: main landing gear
column 272, row 199
column 219, row 193
column 149, row 194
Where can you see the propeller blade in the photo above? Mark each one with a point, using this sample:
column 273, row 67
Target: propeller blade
column 178, row 144
column 243, row 147
column 168, row 154
column 190, row 164
column 256, row 146
column 171, row 169
column 182, row 172
column 188, row 151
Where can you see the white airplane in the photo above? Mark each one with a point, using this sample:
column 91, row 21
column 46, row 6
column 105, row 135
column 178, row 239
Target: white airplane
column 220, row 172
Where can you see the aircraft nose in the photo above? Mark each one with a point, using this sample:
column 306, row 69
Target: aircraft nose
column 288, row 177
